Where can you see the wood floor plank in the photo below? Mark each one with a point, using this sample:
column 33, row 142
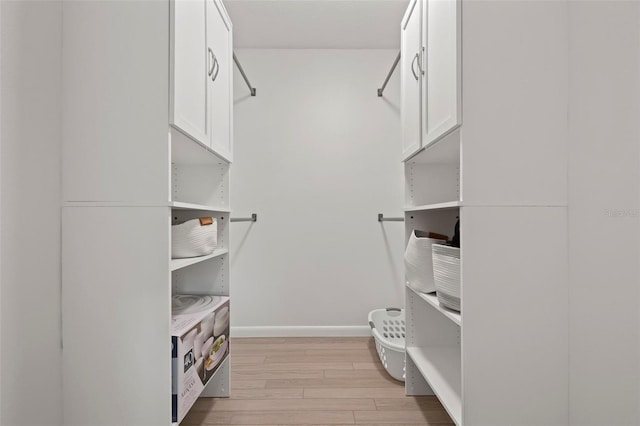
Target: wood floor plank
column 358, row 374
column 383, row 393
column 240, row 384
column 302, row 404
column 408, row 403
column 420, row 417
column 373, row 365
column 323, row 417
column 240, row 359
column 337, row 357
column 333, row 383
column 273, row 393
column 295, row 366
column 258, row 374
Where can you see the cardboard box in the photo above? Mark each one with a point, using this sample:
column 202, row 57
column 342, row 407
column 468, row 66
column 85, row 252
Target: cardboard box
column 199, row 345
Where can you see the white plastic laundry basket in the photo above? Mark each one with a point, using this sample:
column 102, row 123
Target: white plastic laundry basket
column 388, row 329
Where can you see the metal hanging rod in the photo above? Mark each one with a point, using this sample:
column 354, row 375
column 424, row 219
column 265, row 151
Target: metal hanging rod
column 246, row 80
column 381, row 218
column 253, row 218
column 386, row 80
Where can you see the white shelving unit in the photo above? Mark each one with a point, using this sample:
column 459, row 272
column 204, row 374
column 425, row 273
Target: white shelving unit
column 441, row 367
column 502, row 360
column 129, row 174
column 437, row 206
column 183, row 263
column 176, row 205
column 432, row 299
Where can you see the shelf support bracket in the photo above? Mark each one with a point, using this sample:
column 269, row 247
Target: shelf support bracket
column 386, row 80
column 246, row 80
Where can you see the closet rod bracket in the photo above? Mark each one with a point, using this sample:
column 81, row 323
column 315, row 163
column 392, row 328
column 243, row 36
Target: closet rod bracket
column 253, row 218
column 381, row 218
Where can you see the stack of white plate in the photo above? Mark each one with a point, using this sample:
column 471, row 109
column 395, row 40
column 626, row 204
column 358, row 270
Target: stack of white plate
column 185, row 304
column 446, row 275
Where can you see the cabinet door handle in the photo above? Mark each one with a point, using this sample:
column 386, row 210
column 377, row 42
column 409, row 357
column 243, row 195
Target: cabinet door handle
column 413, row 68
column 216, row 65
column 422, row 65
column 211, row 60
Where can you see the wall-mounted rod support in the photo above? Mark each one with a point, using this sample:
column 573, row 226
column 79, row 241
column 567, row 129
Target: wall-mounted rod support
column 381, row 218
column 253, row 218
column 386, row 80
column 246, row 80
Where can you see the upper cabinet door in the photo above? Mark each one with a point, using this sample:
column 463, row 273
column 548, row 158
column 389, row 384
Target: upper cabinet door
column 220, row 83
column 411, row 78
column 189, row 68
column 441, row 89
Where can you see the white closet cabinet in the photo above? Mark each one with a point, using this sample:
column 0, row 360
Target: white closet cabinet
column 502, row 360
column 430, row 76
column 411, row 78
column 129, row 175
column 201, row 66
column 441, row 42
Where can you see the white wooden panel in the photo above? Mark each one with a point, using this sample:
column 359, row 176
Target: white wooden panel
column 30, row 134
column 116, row 316
column 209, row 277
column 204, row 184
column 431, row 183
column 427, row 326
column 440, row 221
column 190, row 63
column 410, row 81
column 515, row 337
column 220, row 95
column 116, row 99
column 441, row 90
column 604, row 214
column 515, row 103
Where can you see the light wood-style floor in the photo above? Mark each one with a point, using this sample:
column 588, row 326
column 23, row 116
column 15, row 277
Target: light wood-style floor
column 313, row 381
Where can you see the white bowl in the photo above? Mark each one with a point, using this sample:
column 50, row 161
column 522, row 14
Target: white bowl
column 222, row 321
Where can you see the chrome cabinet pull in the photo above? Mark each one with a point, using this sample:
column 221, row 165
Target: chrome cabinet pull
column 212, row 62
column 216, row 65
column 422, row 65
column 413, row 63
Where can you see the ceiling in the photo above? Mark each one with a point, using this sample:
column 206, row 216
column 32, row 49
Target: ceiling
column 316, row 24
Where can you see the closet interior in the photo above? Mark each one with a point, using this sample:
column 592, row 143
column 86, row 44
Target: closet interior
column 164, row 125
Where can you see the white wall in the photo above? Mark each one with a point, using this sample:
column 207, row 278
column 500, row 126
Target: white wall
column 317, row 156
column 30, row 82
column 604, row 184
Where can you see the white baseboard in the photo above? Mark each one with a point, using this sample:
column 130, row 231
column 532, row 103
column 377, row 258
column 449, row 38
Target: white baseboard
column 302, row 331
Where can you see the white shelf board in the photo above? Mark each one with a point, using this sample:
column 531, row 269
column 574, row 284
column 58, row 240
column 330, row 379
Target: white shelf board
column 186, row 150
column 432, row 299
column 183, row 263
column 441, row 368
column 445, row 150
column 438, row 206
column 188, row 206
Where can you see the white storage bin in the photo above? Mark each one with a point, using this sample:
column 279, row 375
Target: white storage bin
column 446, row 273
column 388, row 330
column 193, row 238
column 418, row 262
